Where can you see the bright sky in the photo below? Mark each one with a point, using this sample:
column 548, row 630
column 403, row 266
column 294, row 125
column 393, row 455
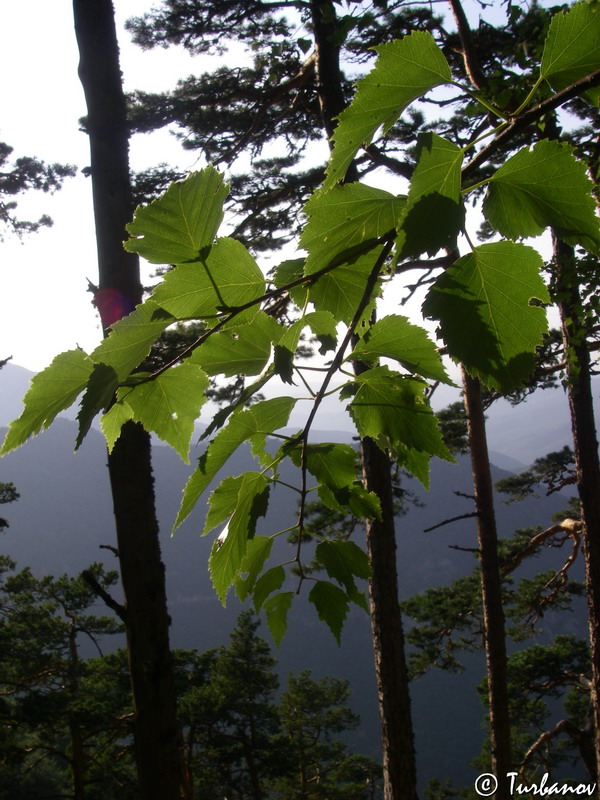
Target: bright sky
column 44, row 305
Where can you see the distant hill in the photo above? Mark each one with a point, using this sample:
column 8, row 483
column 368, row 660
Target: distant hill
column 64, row 516
column 516, row 435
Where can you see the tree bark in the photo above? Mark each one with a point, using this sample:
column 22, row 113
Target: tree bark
column 491, row 586
column 585, row 448
column 399, row 762
column 77, row 747
column 129, row 464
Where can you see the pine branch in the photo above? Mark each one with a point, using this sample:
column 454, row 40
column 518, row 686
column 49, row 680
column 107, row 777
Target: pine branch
column 471, row 62
column 469, row 515
column 120, row 610
column 527, row 118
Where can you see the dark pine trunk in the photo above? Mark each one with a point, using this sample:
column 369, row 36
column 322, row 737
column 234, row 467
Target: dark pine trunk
column 491, row 587
column 399, row 766
column 585, row 448
column 142, row 571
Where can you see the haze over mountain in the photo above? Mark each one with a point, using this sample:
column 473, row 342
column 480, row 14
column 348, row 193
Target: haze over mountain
column 64, row 516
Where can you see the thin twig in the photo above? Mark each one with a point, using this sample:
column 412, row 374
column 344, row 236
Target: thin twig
column 451, row 519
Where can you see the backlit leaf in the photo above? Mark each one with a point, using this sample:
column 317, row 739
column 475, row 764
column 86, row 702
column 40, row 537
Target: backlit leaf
column 540, row 188
column 131, row 338
column 51, row 391
column 572, row 47
column 332, row 464
column 249, row 493
column 253, row 424
column 112, row 422
column 321, row 323
column 405, row 70
column 267, row 584
column 99, row 392
column 258, row 551
column 340, row 291
column 277, row 608
column 395, row 337
column 434, row 213
column 483, row 303
column 227, row 277
column 175, row 227
column 344, row 217
column 170, row 404
column 353, row 498
column 392, row 410
column 341, row 223
column 237, row 350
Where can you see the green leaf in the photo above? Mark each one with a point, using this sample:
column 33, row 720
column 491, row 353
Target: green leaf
column 392, row 410
column 277, row 608
column 345, row 217
column 483, row 303
column 287, row 272
column 353, row 498
column 226, row 277
column 131, row 338
column 416, row 463
column 340, row 291
column 404, row 70
column 324, row 327
column 343, row 562
column 395, row 337
column 331, row 604
column 169, row 404
column 258, row 551
column 544, row 187
column 341, row 224
column 223, row 501
column 112, row 422
column 283, row 363
column 99, row 392
column 321, row 323
column 332, row 464
column 360, row 599
column 238, row 350
column 246, row 395
column 251, row 501
column 269, row 582
column 434, row 214
column 51, row 391
column 175, row 227
column 252, row 424
column 572, row 47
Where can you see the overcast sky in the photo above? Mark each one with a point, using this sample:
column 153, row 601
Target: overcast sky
column 44, row 305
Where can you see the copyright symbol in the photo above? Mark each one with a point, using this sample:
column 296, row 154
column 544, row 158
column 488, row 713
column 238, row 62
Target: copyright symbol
column 486, row 784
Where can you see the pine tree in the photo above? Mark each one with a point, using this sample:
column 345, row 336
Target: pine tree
column 42, row 624
column 23, row 175
column 313, row 712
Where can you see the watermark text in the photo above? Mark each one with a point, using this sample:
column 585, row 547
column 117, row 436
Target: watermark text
column 486, row 786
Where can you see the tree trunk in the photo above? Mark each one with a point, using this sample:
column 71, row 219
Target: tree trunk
column 399, row 767
column 491, row 587
column 399, row 763
column 142, row 571
column 77, row 748
column 585, row 448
